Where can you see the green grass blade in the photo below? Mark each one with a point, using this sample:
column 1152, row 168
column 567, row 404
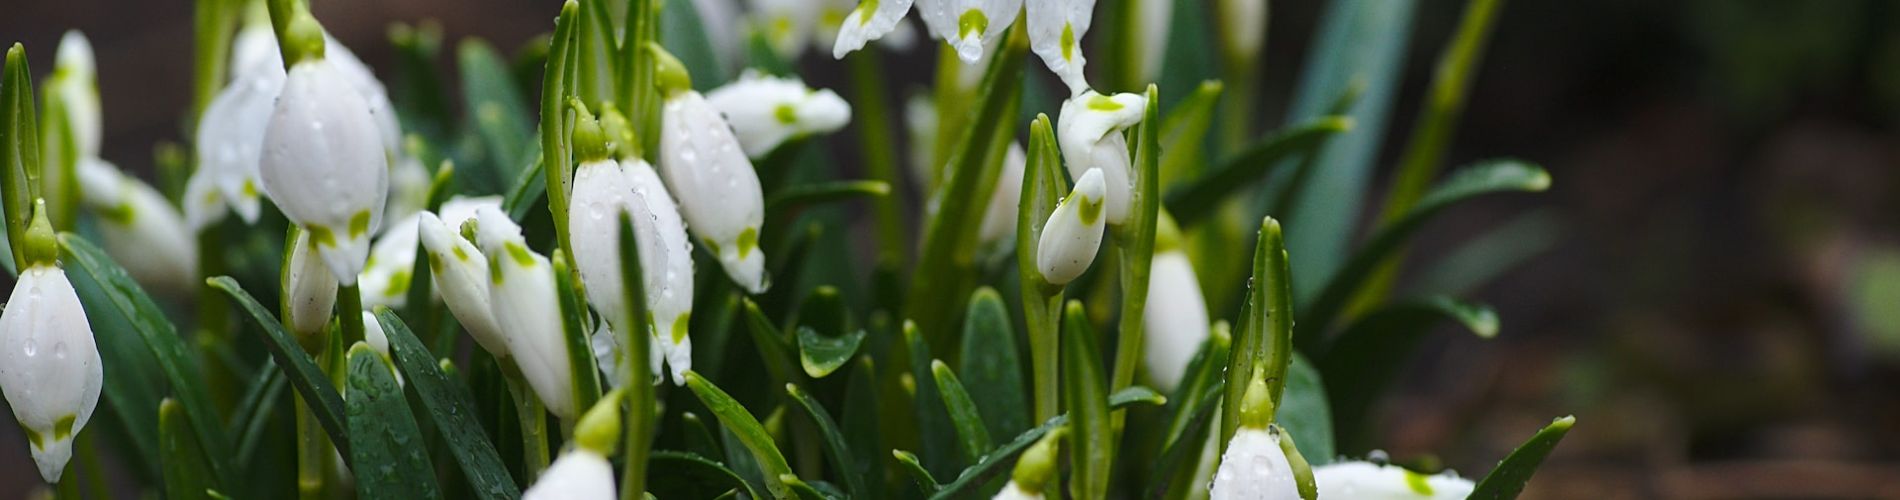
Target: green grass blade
column 388, row 458
column 1092, row 446
column 1265, row 334
column 1184, row 132
column 772, row 345
column 310, row 382
column 990, row 362
column 804, row 195
column 256, row 411
column 741, row 423
column 497, row 113
column 576, row 331
column 918, row 474
column 1043, row 187
column 1193, row 200
column 963, row 413
column 1494, row 176
column 19, row 151
column 187, row 473
column 697, row 477
column 1510, row 476
column 448, row 408
column 836, row 448
column 1002, row 459
column 636, row 345
column 1136, row 238
column 176, row 360
column 1189, row 411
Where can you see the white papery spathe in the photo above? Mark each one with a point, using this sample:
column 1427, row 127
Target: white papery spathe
column 325, row 166
column 1255, row 468
column 392, row 263
column 602, row 189
column 717, row 188
column 968, row 24
column 1089, row 132
column 1074, row 232
column 461, row 277
column 142, row 231
column 871, row 20
column 1370, row 481
column 999, row 219
column 1176, row 321
column 312, row 289
column 579, row 474
column 523, row 294
column 765, row 111
column 1055, row 33
column 50, row 370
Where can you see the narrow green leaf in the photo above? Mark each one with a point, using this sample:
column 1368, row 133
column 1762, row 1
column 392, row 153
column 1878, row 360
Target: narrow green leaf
column 254, row 413
column 555, row 166
column 187, row 473
column 1184, row 131
column 740, row 422
column 310, row 382
column 835, row 447
column 452, row 413
column 497, row 113
column 416, row 90
column 693, row 476
column 771, row 344
column 803, row 490
column 918, row 474
column 1492, row 176
column 683, row 34
column 388, row 458
column 1043, row 188
column 1091, row 448
column 990, row 363
column 1305, row 413
column 1365, row 359
column 576, row 331
column 1193, row 199
column 1136, row 238
column 861, row 416
column 525, row 190
column 820, row 355
column 1003, row 459
column 1510, row 476
column 824, row 192
column 1189, row 411
column 137, row 384
column 1265, row 339
column 963, row 413
column 177, row 361
column 936, row 434
column 1481, row 259
column 636, row 344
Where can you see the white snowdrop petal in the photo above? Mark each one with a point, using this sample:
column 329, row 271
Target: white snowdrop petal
column 1358, row 479
column 141, row 229
column 1245, row 22
column 1254, row 468
column 230, row 136
column 255, row 48
column 324, row 164
column 786, row 24
column 765, row 111
column 1089, row 134
column 461, row 209
column 1155, row 20
column 601, row 192
column 1074, row 232
column 871, row 20
column 76, row 75
column 968, row 24
column 204, row 205
column 717, row 189
column 999, row 218
column 50, row 370
column 392, row 262
column 1055, row 33
column 311, row 286
column 523, row 294
column 667, row 255
column 1012, row 491
column 577, row 475
column 1176, row 321
column 461, row 276
column 603, row 189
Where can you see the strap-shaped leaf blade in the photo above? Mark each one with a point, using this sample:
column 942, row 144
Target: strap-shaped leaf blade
column 836, row 449
column 990, row 363
column 1265, row 337
column 1003, row 458
column 452, row 413
column 743, row 425
column 1305, row 412
column 1194, row 200
column 187, row 473
column 820, row 355
column 1084, row 392
column 964, row 416
column 310, row 382
column 1510, row 476
column 497, row 113
column 1043, row 188
column 387, row 456
column 818, row 193
column 1136, row 237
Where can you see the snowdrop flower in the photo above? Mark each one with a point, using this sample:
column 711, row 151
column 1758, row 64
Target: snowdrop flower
column 522, row 293
column 1256, row 465
column 379, row 342
column 392, row 263
column 1372, row 481
column 583, row 473
column 1073, row 233
column 372, row 91
column 765, row 111
column 1242, row 25
column 786, row 24
column 718, row 190
column 311, row 288
column 871, row 20
column 1055, row 33
column 230, row 136
column 408, row 189
column 1177, row 320
column 461, row 276
column 968, row 24
column 142, row 231
column 204, row 205
column 1034, row 469
column 50, row 370
column 76, row 81
column 1089, row 133
column 999, row 219
column 324, row 162
column 603, row 188
column 719, row 19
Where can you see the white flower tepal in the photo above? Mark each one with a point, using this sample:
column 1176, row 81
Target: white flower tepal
column 873, row 19
column 230, row 138
column 1372, row 481
column 765, row 111
column 718, row 190
column 523, row 294
column 968, row 24
column 602, row 189
column 1089, row 133
column 142, row 231
column 1177, row 318
column 1055, row 33
column 461, row 276
column 50, row 370
column 1073, row 233
column 392, row 263
column 579, row 474
column 77, row 78
column 325, row 166
column 1255, row 468
column 786, row 24
column 999, row 219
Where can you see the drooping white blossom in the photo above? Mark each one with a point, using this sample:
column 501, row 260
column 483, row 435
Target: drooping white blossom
column 968, row 24
column 325, row 165
column 230, row 136
column 1089, row 133
column 204, row 205
column 76, row 81
column 392, row 263
column 1370, row 481
column 142, row 231
column 765, row 111
column 1074, row 232
column 523, row 294
column 50, row 370
column 786, row 24
column 603, row 188
column 311, row 289
column 461, row 277
column 1255, row 468
column 1176, row 321
column 999, row 219
column 871, row 20
column 717, row 189
column 1154, row 19
column 1055, row 34
column 577, row 475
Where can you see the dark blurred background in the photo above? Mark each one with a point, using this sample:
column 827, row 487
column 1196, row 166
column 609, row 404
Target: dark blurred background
column 1720, row 301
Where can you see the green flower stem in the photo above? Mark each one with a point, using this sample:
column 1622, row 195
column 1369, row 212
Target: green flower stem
column 555, row 158
column 214, row 319
column 212, row 28
column 313, row 449
column 1240, row 74
column 349, row 312
column 533, row 418
column 880, row 159
column 1045, row 354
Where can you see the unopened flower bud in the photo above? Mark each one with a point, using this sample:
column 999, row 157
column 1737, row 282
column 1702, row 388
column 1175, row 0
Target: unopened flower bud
column 523, row 294
column 461, row 276
column 1376, row 481
column 579, row 474
column 1254, row 468
column 1073, row 233
column 603, row 189
column 999, row 219
column 765, row 111
column 1177, row 320
column 1037, row 466
column 309, row 291
column 324, row 163
column 50, row 370
column 1089, row 132
column 142, row 231
column 717, row 188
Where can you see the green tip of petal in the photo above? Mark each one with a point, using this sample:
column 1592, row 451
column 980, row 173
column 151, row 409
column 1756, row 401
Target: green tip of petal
column 669, row 73
column 42, row 247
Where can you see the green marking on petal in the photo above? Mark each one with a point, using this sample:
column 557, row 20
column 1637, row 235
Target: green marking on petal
column 398, row 283
column 1090, row 210
column 435, row 264
column 459, row 254
column 522, row 256
column 359, row 224
column 972, row 23
column 250, row 189
column 1104, row 103
column 711, row 247
column 679, row 327
column 1068, row 41
column 865, row 10
column 1417, row 482
column 321, row 236
column 748, row 241
column 33, row 437
column 63, row 428
column 785, row 114
column 121, row 214
column 494, row 270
